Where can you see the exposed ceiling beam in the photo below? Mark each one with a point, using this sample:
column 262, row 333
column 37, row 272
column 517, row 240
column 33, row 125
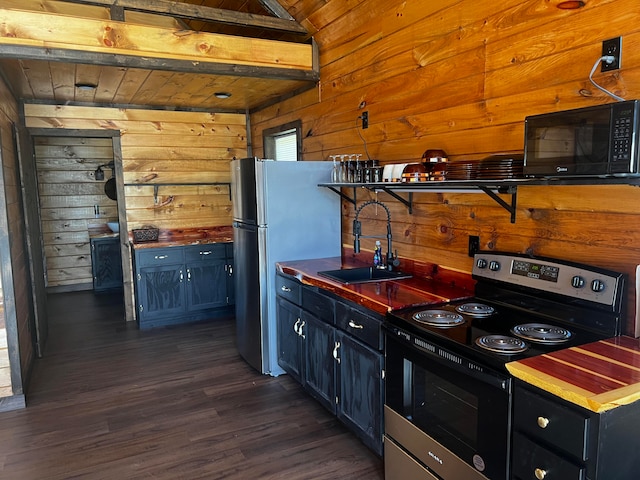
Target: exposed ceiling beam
column 197, row 12
column 132, row 61
column 276, row 9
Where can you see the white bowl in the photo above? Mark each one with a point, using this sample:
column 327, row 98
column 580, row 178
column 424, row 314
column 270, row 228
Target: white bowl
column 114, row 226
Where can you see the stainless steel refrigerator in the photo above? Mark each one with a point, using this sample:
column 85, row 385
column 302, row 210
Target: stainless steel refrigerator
column 279, row 214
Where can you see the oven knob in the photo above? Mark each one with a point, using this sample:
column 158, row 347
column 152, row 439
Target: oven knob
column 597, row 285
column 494, row 266
column 481, row 263
column 577, row 282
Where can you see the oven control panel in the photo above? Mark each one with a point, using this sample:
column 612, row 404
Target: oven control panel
column 563, row 278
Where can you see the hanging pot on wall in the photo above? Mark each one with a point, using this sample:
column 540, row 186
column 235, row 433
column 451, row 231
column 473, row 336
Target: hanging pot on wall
column 110, row 189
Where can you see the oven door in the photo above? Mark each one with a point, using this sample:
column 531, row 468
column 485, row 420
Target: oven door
column 451, row 414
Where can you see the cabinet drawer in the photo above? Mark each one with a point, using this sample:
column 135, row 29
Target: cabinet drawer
column 196, row 253
column 361, row 325
column 289, row 288
column 159, row 256
column 554, row 423
column 530, row 458
column 318, row 305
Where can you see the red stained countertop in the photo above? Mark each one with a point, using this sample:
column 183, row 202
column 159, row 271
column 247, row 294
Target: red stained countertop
column 598, row 376
column 430, row 284
column 181, row 237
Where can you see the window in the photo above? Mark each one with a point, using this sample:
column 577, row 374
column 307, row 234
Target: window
column 283, row 143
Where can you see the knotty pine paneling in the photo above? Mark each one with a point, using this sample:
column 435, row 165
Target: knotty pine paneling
column 462, row 75
column 68, row 194
column 163, row 147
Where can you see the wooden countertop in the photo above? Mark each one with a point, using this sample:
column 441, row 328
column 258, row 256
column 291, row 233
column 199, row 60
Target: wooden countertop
column 196, row 236
column 100, row 230
column 430, row 285
column 598, row 376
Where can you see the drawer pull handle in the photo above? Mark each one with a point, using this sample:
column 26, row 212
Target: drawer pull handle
column 296, row 327
column 285, row 289
column 353, row 324
column 161, row 257
column 208, row 252
column 543, row 422
column 335, row 351
column 540, row 473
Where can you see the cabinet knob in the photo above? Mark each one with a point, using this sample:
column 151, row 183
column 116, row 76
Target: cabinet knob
column 540, row 473
column 543, row 422
column 285, row 289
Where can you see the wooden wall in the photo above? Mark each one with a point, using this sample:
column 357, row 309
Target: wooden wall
column 461, row 75
column 185, row 153
column 14, row 269
column 170, row 165
column 68, row 193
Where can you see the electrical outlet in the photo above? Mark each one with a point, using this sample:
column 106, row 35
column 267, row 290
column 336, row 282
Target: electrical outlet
column 474, row 245
column 365, row 120
column 612, row 47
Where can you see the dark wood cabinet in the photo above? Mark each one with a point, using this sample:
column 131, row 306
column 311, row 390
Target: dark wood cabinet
column 106, row 264
column 360, row 385
column 556, row 440
column 289, row 338
column 182, row 284
column 334, row 349
column 319, row 367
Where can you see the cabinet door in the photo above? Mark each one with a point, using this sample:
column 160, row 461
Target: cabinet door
column 360, row 390
column 319, row 371
column 106, row 264
column 161, row 291
column 289, row 340
column 207, row 284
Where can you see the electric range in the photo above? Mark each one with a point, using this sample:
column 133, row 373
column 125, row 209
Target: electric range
column 448, row 394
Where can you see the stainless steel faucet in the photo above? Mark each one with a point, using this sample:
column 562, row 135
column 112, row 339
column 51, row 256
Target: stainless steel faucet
column 391, row 260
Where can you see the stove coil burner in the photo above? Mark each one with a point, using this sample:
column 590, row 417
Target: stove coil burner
column 438, row 318
column 475, row 309
column 541, row 333
column 502, row 344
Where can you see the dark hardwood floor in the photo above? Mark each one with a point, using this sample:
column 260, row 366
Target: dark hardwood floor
column 111, row 402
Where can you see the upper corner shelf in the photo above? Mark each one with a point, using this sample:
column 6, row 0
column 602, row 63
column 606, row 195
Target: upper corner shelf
column 493, row 188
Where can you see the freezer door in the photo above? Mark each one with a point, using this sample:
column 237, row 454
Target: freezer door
column 243, row 190
column 247, row 290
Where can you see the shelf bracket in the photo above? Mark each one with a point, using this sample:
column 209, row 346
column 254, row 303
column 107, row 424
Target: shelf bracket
column 407, row 203
column 510, row 190
column 344, row 197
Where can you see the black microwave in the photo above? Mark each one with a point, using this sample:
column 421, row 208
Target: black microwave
column 596, row 141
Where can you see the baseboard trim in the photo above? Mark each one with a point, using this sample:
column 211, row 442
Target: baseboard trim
column 14, row 402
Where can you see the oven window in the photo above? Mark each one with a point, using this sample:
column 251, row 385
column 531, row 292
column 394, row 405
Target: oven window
column 446, row 411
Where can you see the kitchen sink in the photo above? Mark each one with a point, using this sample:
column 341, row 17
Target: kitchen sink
column 363, row 275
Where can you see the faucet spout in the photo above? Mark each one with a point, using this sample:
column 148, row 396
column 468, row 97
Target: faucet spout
column 357, row 233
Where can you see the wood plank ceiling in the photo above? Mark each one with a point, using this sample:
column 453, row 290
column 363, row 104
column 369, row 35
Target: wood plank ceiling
column 49, row 69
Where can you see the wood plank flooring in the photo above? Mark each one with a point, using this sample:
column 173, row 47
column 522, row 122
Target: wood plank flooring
column 111, row 402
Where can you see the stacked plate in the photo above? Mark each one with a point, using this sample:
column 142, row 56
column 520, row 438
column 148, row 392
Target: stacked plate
column 463, row 170
column 494, row 167
column 501, row 167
